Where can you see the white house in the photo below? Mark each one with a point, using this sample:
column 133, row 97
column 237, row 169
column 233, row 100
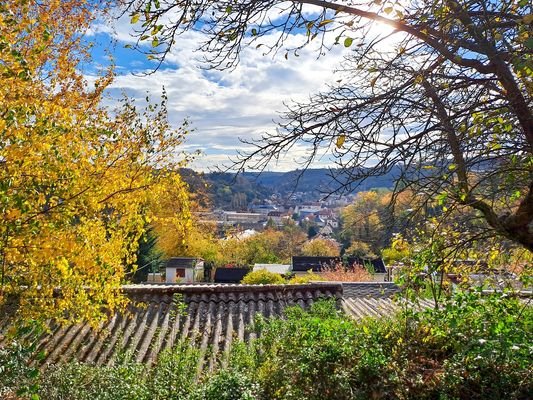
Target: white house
column 184, row 270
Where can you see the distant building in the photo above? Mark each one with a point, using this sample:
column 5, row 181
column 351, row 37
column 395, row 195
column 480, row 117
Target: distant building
column 276, row 268
column 277, row 217
column 263, row 209
column 326, row 231
column 308, row 208
column 230, row 217
column 319, row 221
column 184, row 270
column 245, row 234
column 222, row 217
column 328, row 217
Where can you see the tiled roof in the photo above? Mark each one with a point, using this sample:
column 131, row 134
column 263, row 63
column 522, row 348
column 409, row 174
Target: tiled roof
column 210, row 316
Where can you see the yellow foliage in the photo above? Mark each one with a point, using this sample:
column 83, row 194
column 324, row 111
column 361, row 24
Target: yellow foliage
column 362, row 222
column 263, row 277
column 360, row 249
column 309, row 276
column 167, row 210
column 195, row 239
column 269, row 246
column 76, row 182
column 321, row 248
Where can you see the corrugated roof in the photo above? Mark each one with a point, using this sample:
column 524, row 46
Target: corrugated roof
column 360, row 307
column 370, row 289
column 159, row 316
column 211, row 316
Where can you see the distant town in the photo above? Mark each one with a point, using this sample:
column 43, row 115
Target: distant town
column 275, row 211
column 251, row 201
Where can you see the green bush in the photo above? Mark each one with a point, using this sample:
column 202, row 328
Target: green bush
column 486, row 343
column 227, row 384
column 126, row 380
column 172, row 377
column 317, row 354
column 263, row 277
column 392, row 255
column 175, row 373
column 472, row 347
column 17, row 376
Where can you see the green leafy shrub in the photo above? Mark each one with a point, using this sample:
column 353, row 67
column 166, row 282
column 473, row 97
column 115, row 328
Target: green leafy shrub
column 472, row 347
column 263, row 277
column 234, row 380
column 175, row 376
column 17, row 376
column 175, row 373
column 399, row 251
column 308, row 355
column 126, row 380
column 227, row 384
column 486, row 340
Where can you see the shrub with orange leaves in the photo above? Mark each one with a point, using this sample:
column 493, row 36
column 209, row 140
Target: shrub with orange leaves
column 339, row 273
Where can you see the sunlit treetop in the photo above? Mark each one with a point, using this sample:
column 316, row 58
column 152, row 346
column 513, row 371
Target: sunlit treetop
column 77, row 182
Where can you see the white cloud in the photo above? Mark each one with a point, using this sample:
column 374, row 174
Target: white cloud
column 224, row 106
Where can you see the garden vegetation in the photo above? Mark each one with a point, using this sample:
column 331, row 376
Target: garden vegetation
column 473, row 346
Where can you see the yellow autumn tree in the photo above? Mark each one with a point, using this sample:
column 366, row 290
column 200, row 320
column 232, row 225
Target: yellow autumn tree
column 76, row 181
column 321, row 247
column 362, row 220
column 370, row 221
column 198, row 240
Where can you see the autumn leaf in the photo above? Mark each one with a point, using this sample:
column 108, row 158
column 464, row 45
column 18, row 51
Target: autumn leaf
column 340, row 141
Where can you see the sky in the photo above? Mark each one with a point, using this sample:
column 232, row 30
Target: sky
column 221, row 106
